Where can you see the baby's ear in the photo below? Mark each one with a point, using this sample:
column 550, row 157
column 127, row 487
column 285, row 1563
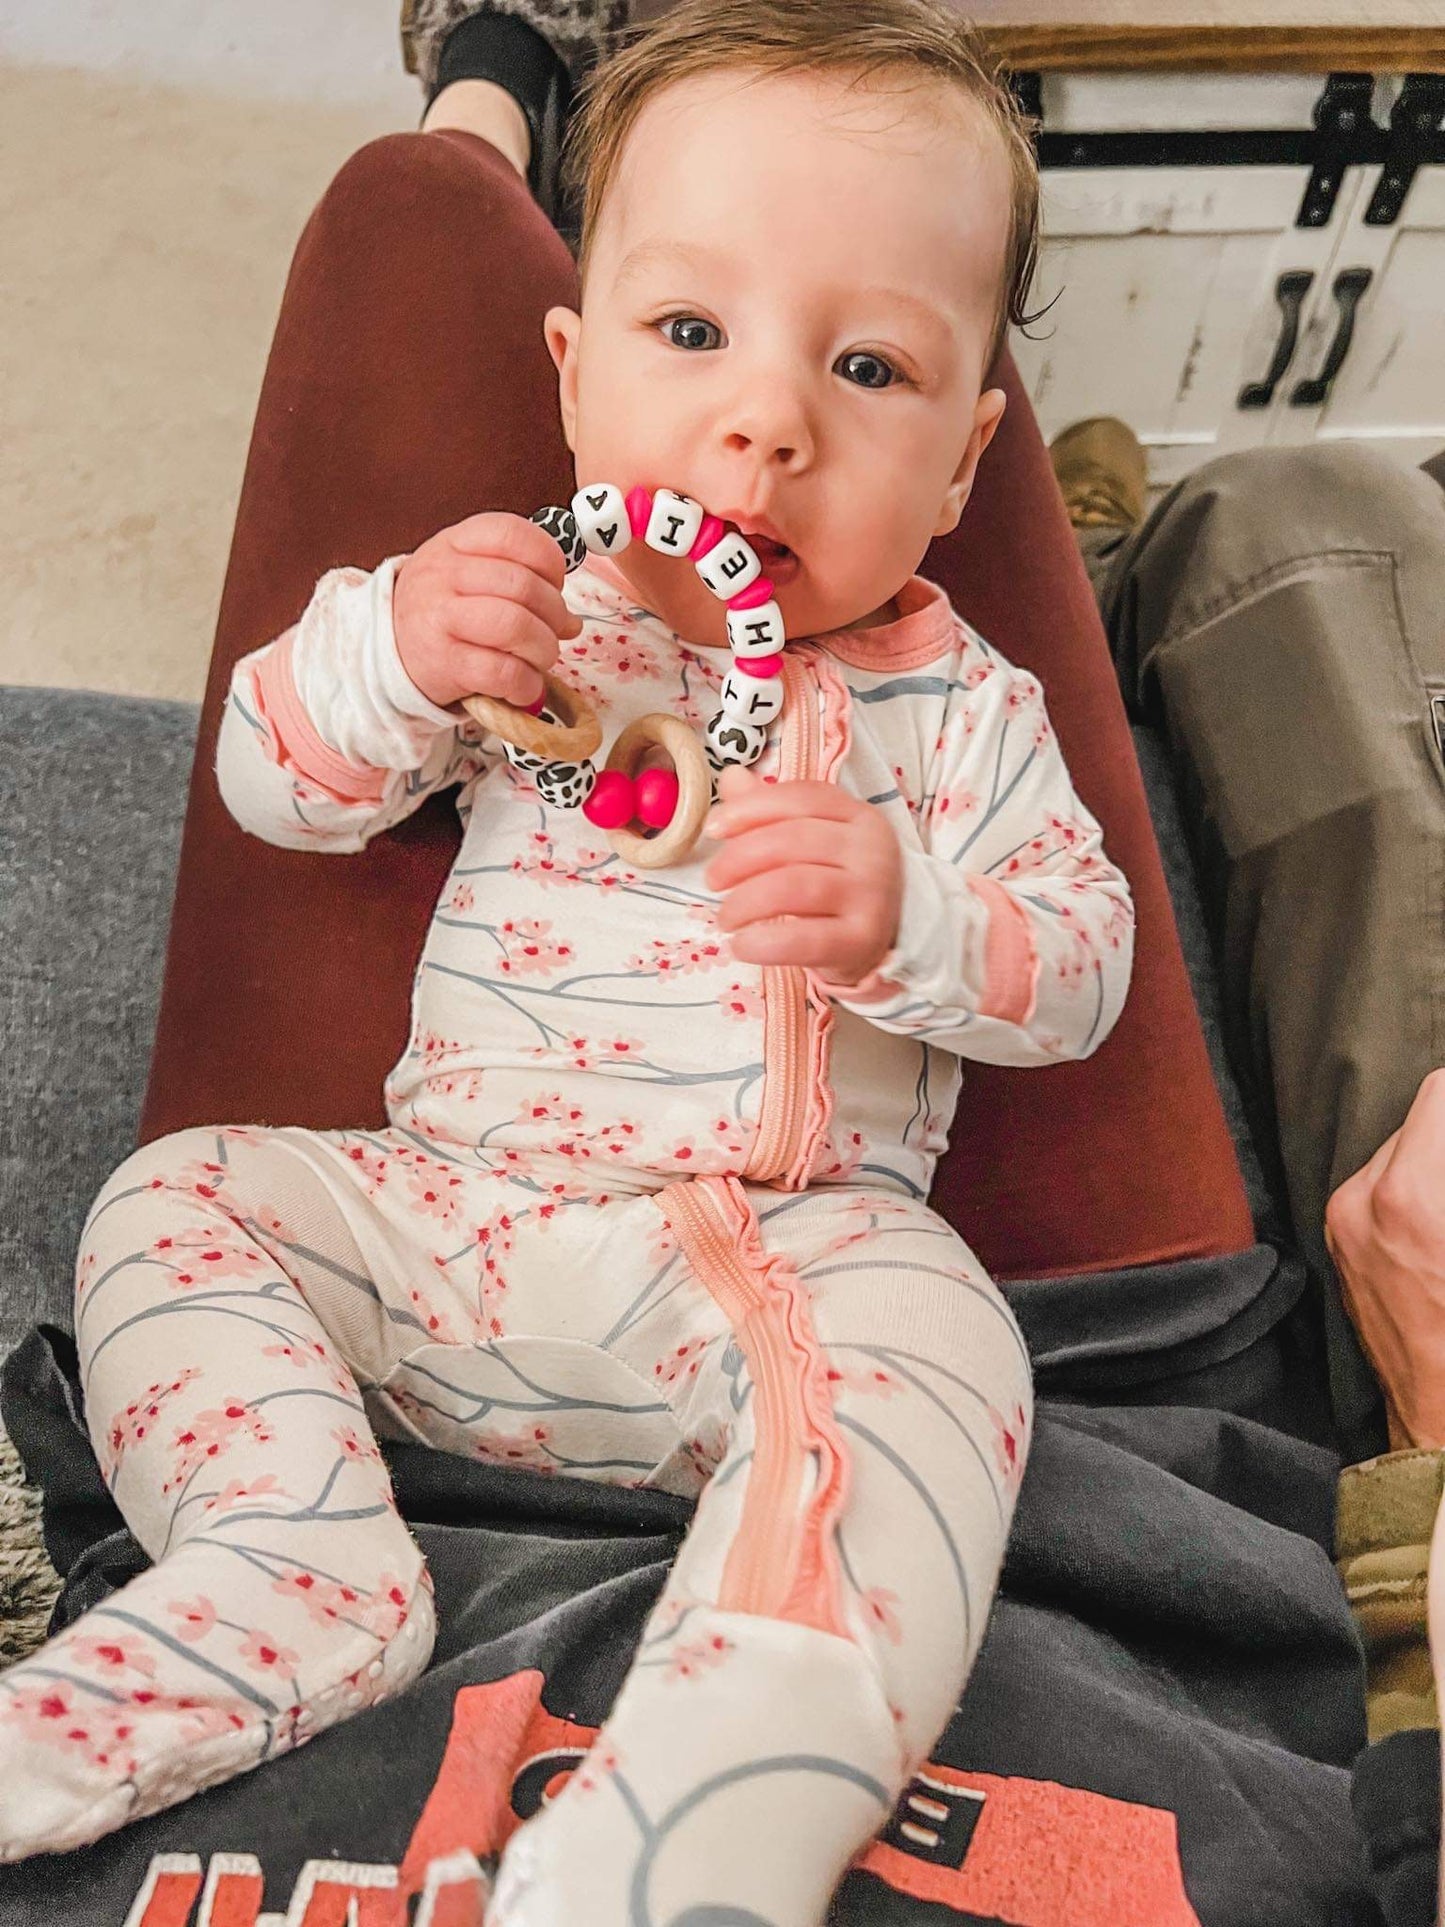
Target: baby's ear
column 561, row 329
column 987, row 414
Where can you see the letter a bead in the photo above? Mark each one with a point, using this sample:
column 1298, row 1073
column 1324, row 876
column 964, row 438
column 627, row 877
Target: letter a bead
column 602, row 518
column 673, row 525
column 756, row 632
column 729, row 566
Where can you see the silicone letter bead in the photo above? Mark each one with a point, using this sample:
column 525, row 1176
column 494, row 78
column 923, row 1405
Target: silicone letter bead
column 602, row 518
column 756, row 632
column 673, row 525
column 751, row 699
column 730, row 566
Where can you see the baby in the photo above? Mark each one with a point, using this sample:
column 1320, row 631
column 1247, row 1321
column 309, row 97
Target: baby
column 651, row 1202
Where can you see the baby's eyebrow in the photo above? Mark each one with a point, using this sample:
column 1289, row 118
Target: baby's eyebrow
column 693, row 254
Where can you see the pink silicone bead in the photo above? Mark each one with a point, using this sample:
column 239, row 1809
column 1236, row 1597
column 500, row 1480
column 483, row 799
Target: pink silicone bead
column 708, row 536
column 612, row 802
column 752, row 595
column 657, row 792
column 639, row 509
column 764, row 666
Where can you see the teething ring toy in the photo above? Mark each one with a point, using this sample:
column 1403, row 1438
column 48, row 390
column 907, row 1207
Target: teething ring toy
column 553, row 739
column 693, row 784
column 572, row 739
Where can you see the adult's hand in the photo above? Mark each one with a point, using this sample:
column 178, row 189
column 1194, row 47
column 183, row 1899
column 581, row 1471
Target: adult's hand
column 1385, row 1229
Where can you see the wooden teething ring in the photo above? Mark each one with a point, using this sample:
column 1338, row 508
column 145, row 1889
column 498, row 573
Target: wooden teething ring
column 679, row 744
column 579, row 734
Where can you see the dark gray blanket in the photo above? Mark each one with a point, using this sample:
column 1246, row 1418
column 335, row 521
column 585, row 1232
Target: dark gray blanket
column 1159, row 1730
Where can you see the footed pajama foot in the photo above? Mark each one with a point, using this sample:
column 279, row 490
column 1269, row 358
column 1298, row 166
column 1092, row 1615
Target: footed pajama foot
column 154, row 1695
column 745, row 1764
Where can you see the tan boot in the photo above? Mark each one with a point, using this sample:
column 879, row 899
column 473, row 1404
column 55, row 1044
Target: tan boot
column 1100, row 467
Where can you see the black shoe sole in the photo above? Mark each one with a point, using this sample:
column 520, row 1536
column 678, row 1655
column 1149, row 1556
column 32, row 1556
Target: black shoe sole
column 503, row 48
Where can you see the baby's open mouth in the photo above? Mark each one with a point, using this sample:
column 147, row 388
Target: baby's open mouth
column 775, row 556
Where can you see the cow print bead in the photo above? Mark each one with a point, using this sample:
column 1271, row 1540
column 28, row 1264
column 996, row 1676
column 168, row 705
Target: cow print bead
column 728, row 741
column 566, row 786
column 561, row 525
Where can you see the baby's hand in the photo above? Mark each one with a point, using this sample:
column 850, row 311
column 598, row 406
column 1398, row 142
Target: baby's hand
column 478, row 609
column 827, row 864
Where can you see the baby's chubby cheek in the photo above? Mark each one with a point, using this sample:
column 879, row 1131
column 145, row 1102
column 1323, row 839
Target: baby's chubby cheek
column 673, row 590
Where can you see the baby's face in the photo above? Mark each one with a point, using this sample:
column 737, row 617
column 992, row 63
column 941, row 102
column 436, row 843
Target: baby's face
column 787, row 309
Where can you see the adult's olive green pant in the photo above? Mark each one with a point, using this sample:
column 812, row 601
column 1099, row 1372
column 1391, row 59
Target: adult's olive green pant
column 1280, row 614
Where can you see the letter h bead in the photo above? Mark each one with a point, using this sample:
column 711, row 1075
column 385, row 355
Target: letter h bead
column 756, row 632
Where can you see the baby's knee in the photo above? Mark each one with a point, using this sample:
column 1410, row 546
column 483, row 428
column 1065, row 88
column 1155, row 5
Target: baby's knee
column 164, row 1164
column 186, row 1163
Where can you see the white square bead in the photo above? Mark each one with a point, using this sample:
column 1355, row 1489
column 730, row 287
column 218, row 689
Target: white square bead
column 751, row 699
column 673, row 525
column 602, row 521
column 729, row 566
column 756, row 632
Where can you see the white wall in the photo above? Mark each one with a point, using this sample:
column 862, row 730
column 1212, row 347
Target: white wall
column 323, row 51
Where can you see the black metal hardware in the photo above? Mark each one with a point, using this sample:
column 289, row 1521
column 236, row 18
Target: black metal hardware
column 1289, row 291
column 1414, row 121
column 1347, row 290
column 1359, row 144
column 1437, row 717
column 1340, row 114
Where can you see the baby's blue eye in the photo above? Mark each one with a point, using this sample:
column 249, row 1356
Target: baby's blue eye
column 892, row 376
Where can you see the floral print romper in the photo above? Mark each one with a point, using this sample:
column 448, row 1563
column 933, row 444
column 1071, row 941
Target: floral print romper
column 641, row 1213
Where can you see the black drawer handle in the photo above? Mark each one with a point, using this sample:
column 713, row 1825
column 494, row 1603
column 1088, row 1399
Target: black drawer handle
column 1347, row 290
column 1289, row 291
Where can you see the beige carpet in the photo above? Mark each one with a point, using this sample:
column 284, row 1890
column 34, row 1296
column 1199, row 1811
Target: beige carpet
column 29, row 1584
column 145, row 235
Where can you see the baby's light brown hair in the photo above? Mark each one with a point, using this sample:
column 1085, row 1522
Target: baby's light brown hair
column 924, row 39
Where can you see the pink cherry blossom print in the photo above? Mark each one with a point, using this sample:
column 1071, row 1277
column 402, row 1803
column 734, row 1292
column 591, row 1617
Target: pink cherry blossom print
column 210, row 1433
column 1010, row 1439
column 681, row 1362
column 744, row 1002
column 130, row 1427
column 353, row 1446
column 438, row 1191
column 198, row 1258
column 385, row 1611
column 204, row 1177
column 529, row 951
column 113, row 1656
column 246, row 1492
column 865, row 1380
column 881, row 1607
column 600, row 1764
column 194, row 1618
column 677, row 959
column 266, row 1654
column 697, row 1656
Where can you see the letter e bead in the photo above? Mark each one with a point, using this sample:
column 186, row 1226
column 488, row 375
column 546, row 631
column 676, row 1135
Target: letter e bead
column 729, row 565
